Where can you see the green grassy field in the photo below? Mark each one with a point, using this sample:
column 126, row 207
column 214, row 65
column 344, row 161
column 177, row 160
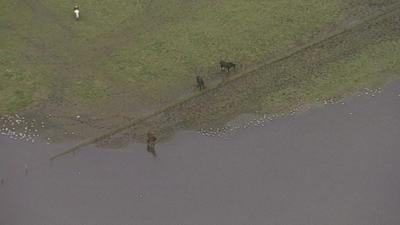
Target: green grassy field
column 145, row 48
column 135, row 57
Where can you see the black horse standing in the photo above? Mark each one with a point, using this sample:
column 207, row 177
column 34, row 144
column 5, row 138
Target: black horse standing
column 200, row 83
column 227, row 65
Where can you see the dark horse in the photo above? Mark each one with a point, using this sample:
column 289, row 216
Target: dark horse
column 200, row 83
column 227, row 65
column 151, row 143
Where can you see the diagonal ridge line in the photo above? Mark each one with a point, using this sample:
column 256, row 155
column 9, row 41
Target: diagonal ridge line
column 247, row 72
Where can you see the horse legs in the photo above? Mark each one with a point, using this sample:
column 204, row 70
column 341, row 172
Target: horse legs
column 200, row 82
column 151, row 148
column 202, row 86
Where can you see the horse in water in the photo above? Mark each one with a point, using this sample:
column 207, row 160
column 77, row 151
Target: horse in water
column 76, row 12
column 151, row 143
column 227, row 65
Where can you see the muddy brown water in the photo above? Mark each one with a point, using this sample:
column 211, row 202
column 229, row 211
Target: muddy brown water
column 334, row 164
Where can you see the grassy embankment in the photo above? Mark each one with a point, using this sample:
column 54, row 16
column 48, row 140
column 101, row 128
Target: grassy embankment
column 133, row 57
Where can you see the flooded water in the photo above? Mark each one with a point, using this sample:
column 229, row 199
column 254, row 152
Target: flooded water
column 336, row 164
